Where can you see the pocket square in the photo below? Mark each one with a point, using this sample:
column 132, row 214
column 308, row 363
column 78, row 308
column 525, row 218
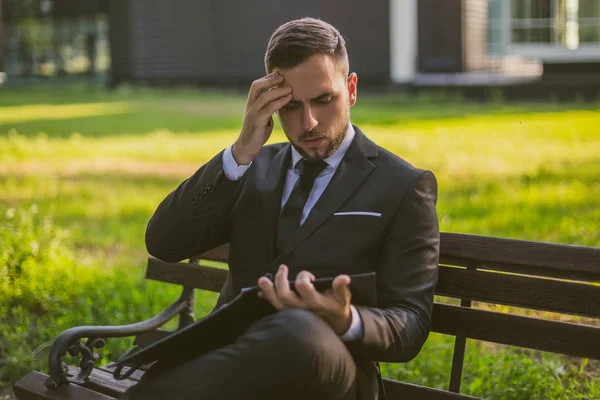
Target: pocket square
column 368, row 213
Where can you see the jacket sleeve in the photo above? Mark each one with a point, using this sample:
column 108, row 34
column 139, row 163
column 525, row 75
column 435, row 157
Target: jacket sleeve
column 194, row 217
column 407, row 273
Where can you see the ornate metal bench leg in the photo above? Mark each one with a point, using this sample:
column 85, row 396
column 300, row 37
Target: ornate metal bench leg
column 60, row 376
column 70, row 341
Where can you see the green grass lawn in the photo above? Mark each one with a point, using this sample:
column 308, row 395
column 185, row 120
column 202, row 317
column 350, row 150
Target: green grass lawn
column 98, row 163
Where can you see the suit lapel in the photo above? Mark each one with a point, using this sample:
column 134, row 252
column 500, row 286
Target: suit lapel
column 272, row 189
column 354, row 168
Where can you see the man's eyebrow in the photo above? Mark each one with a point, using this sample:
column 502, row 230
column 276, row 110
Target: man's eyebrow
column 319, row 97
column 322, row 96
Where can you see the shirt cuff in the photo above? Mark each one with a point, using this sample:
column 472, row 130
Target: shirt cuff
column 356, row 327
column 232, row 171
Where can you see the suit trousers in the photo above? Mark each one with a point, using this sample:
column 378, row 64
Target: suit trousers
column 292, row 354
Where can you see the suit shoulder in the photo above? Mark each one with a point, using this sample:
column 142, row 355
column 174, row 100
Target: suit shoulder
column 406, row 177
column 398, row 166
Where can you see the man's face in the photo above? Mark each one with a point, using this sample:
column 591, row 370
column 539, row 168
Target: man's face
column 316, row 119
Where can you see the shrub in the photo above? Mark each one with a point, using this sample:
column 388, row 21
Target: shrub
column 46, row 288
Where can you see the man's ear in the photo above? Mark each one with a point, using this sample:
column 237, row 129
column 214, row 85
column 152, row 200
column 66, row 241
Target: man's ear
column 352, row 88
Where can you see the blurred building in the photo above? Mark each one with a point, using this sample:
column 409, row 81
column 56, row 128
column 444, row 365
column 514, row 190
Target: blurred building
column 527, row 47
column 54, row 40
column 526, row 44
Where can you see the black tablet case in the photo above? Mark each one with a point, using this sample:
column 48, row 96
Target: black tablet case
column 224, row 325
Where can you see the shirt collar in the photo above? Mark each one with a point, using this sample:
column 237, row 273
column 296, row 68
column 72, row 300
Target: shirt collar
column 335, row 159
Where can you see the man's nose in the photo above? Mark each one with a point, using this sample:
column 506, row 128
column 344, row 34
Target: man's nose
column 309, row 121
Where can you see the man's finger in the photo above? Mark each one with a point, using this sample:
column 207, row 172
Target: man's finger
column 306, row 290
column 284, row 293
column 269, row 293
column 268, row 98
column 340, row 287
column 275, row 106
column 266, row 82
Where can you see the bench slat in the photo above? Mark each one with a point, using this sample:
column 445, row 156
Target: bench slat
column 558, row 337
column 522, row 256
column 103, row 382
column 528, row 292
column 531, row 270
column 553, row 336
column 220, row 254
column 200, row 277
column 136, row 376
column 396, row 390
column 521, row 291
column 31, row 387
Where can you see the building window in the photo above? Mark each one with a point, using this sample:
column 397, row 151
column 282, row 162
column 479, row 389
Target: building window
column 588, row 19
column 567, row 23
column 496, row 27
column 41, row 43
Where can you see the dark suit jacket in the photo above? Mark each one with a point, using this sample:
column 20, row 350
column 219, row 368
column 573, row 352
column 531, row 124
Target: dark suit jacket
column 402, row 246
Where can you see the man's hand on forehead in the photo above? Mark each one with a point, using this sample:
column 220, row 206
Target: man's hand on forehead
column 266, row 96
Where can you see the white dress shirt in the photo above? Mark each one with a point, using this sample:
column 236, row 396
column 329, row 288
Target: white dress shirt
column 233, row 172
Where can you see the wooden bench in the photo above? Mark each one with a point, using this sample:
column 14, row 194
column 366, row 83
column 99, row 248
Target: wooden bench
column 540, row 276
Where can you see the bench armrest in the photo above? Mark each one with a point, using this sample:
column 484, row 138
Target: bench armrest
column 71, row 341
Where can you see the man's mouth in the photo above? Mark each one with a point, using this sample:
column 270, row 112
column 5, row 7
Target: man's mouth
column 314, row 142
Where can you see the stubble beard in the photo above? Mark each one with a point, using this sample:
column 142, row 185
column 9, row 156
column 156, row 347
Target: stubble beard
column 334, row 142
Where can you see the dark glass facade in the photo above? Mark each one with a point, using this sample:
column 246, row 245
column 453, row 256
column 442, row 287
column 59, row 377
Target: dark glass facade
column 55, row 38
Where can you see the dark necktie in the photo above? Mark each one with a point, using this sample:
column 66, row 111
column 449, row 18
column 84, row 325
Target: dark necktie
column 291, row 215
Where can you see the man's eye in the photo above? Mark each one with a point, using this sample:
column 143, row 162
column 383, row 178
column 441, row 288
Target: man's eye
column 326, row 100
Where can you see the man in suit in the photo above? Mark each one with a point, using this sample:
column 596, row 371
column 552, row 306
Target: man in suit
column 328, row 203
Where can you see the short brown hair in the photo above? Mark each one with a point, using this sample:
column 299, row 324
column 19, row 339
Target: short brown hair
column 294, row 42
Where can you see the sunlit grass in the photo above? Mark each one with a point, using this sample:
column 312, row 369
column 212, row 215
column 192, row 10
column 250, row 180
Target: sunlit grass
column 454, row 147
column 28, row 113
column 530, row 176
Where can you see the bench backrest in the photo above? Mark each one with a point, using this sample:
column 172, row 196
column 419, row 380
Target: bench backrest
column 532, row 275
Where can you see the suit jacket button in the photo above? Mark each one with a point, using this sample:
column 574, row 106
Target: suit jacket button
column 209, row 185
column 194, row 200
